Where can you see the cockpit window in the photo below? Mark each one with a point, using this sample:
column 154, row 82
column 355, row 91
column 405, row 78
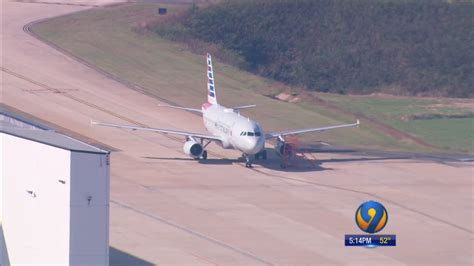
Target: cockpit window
column 251, row 134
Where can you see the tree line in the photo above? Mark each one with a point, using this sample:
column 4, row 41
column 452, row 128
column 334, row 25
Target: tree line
column 405, row 47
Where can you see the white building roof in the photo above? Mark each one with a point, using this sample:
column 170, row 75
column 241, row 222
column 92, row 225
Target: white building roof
column 12, row 119
column 52, row 138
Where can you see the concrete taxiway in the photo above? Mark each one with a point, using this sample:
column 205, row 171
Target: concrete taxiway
column 167, row 209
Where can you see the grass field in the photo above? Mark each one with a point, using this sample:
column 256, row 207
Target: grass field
column 106, row 38
column 445, row 123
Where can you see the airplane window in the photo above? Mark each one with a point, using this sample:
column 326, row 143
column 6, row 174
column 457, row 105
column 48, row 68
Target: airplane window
column 258, row 134
column 250, row 134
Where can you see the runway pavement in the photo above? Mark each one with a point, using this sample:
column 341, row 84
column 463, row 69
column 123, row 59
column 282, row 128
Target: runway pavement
column 167, row 209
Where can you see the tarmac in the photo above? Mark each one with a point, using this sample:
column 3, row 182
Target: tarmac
column 168, row 209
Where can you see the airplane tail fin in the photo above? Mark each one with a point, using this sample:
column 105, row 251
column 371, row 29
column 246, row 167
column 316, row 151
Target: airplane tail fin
column 211, row 86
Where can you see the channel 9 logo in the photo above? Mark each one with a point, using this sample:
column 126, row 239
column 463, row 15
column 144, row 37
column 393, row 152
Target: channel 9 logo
column 371, row 217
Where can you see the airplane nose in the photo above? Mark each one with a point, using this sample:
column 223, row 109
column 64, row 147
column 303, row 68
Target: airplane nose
column 251, row 144
column 256, row 145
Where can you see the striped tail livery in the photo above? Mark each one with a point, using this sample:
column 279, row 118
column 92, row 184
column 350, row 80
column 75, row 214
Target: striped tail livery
column 211, row 86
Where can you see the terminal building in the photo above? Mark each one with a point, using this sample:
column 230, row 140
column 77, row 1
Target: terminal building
column 54, row 197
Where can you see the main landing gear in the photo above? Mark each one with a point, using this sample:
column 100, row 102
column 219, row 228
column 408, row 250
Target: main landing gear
column 204, row 153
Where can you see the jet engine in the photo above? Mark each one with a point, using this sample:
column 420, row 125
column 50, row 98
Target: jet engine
column 193, row 149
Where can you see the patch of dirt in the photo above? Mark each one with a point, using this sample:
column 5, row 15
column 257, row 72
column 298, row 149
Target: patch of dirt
column 287, row 97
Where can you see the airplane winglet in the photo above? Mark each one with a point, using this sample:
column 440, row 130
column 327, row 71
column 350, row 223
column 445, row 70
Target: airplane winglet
column 358, row 122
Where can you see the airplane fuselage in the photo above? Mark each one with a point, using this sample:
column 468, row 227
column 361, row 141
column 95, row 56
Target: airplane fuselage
column 237, row 131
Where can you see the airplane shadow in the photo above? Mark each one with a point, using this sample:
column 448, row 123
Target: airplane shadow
column 297, row 164
column 292, row 167
column 212, row 161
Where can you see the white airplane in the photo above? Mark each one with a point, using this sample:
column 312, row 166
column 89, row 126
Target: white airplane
column 228, row 128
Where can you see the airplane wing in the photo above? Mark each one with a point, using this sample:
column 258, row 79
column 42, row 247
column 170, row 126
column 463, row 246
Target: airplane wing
column 277, row 134
column 181, row 108
column 244, row 107
column 161, row 130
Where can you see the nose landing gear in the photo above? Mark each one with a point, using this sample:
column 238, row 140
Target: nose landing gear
column 248, row 160
column 262, row 155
